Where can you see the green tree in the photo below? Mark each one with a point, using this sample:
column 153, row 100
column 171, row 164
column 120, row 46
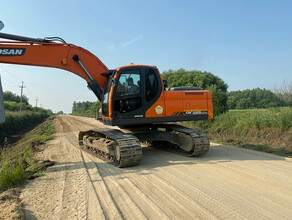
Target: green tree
column 89, row 109
column 284, row 92
column 9, row 96
column 253, row 98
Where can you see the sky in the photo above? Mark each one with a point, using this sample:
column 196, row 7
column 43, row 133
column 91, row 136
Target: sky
column 247, row 43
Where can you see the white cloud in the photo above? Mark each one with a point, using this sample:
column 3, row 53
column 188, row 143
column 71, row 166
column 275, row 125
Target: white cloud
column 132, row 41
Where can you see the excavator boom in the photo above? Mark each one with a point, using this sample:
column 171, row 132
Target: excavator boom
column 38, row 52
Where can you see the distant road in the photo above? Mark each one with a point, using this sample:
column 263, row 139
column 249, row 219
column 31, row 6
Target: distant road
column 226, row 183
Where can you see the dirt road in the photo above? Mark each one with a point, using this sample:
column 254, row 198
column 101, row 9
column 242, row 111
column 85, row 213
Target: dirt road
column 227, row 183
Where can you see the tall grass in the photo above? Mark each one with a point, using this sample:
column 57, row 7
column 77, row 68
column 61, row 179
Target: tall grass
column 18, row 162
column 268, row 130
column 242, row 121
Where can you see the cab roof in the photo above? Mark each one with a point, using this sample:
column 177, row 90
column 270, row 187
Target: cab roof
column 108, row 73
column 134, row 65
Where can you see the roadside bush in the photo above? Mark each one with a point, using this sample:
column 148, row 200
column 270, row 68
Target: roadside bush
column 10, row 175
column 18, row 162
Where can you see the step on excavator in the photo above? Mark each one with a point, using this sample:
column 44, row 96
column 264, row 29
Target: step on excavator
column 133, row 97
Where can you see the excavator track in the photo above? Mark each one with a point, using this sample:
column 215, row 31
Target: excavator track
column 123, row 149
column 197, row 141
column 112, row 146
column 200, row 139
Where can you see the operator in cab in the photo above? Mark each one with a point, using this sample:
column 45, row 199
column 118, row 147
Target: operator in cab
column 132, row 87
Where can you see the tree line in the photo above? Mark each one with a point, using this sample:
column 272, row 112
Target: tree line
column 88, row 109
column 9, row 96
column 12, row 103
column 253, row 98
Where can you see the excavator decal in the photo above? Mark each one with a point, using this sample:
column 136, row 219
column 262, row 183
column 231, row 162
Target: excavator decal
column 12, row 52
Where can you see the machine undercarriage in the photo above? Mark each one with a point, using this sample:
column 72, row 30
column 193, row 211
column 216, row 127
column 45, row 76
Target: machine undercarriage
column 123, row 147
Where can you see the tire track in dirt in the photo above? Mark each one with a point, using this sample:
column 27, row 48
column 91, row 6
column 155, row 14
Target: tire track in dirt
column 127, row 191
column 227, row 183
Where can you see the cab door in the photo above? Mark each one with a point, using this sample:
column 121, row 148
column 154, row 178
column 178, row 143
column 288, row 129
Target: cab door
column 128, row 100
column 154, row 103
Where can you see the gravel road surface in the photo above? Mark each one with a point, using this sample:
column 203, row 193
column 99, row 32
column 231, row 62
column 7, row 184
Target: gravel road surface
column 226, row 183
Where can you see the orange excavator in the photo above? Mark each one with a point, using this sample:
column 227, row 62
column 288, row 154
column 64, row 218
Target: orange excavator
column 133, row 97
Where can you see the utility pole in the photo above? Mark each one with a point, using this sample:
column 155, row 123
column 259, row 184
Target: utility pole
column 36, row 102
column 22, row 87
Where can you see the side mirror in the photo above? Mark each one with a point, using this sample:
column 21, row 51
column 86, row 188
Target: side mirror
column 113, row 82
column 165, row 83
column 1, row 25
column 2, row 112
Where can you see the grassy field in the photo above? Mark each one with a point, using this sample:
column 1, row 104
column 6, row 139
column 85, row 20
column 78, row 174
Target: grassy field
column 17, row 161
column 268, row 130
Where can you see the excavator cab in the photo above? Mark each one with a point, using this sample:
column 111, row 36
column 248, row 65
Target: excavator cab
column 136, row 95
column 128, row 93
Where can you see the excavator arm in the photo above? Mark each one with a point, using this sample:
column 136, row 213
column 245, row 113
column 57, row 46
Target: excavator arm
column 43, row 52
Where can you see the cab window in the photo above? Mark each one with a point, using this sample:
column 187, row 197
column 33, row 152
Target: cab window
column 151, row 84
column 129, row 83
column 128, row 91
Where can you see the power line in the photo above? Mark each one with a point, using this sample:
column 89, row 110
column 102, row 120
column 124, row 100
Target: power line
column 12, row 83
column 8, row 80
column 11, row 74
column 30, row 93
column 9, row 84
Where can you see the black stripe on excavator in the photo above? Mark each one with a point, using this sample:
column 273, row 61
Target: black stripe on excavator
column 178, row 113
column 194, row 93
column 136, row 121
